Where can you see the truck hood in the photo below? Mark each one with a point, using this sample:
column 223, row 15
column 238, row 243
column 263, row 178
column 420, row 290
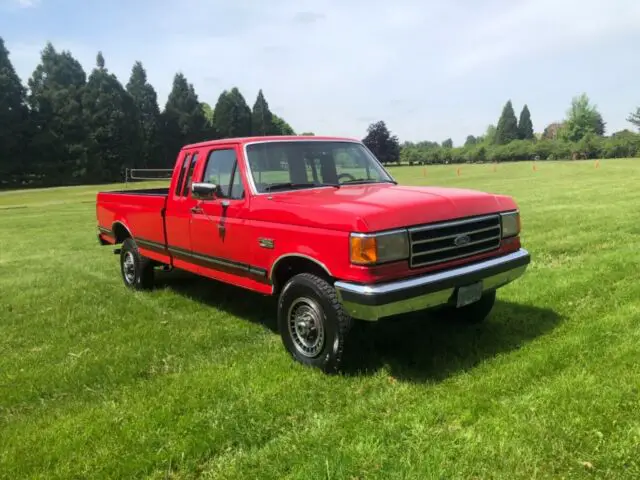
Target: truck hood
column 368, row 208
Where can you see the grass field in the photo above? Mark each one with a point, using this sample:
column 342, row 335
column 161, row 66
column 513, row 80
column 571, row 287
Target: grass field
column 190, row 380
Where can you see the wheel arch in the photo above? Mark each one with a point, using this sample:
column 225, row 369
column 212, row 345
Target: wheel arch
column 120, row 232
column 289, row 265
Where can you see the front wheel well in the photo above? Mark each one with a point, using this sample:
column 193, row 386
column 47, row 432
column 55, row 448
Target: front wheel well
column 288, row 267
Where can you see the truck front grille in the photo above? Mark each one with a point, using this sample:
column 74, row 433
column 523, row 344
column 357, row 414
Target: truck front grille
column 444, row 242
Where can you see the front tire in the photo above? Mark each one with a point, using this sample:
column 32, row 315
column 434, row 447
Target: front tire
column 137, row 271
column 312, row 323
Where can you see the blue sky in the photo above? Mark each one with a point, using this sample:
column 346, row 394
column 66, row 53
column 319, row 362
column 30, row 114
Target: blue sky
column 430, row 69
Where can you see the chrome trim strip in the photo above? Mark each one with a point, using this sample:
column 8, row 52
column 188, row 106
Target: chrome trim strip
column 300, row 255
column 123, row 226
column 213, row 262
column 473, row 232
column 458, row 257
column 379, row 234
column 454, row 223
column 247, row 164
column 437, row 250
column 399, row 285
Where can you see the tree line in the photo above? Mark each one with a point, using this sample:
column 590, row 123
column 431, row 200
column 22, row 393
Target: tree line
column 581, row 135
column 69, row 128
column 66, row 128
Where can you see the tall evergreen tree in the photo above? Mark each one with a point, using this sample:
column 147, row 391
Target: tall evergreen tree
column 14, row 122
column 262, row 118
column 145, row 99
column 184, row 118
column 112, row 122
column 507, row 128
column 232, row 115
column 448, row 143
column 525, row 127
column 55, row 99
column 470, row 141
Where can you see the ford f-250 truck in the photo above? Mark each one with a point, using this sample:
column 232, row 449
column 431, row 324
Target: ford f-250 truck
column 319, row 222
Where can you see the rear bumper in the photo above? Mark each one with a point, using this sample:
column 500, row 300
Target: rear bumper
column 372, row 302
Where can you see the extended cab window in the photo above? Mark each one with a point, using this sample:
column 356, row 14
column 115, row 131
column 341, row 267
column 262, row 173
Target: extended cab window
column 222, row 170
column 303, row 164
column 187, row 183
column 183, row 171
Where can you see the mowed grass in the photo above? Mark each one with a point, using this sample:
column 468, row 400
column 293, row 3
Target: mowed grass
column 190, row 380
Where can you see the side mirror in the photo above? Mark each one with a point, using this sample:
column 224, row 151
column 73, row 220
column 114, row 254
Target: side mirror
column 204, row 191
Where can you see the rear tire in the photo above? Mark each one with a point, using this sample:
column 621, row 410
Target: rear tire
column 312, row 323
column 471, row 314
column 137, row 271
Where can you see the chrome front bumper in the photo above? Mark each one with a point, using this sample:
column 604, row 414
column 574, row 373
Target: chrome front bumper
column 372, row 302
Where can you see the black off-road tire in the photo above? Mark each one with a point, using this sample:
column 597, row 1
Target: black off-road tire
column 136, row 270
column 311, row 299
column 470, row 314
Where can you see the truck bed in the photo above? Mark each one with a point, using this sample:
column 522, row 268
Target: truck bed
column 141, row 211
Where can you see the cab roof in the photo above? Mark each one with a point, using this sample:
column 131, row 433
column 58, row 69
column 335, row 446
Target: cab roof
column 245, row 140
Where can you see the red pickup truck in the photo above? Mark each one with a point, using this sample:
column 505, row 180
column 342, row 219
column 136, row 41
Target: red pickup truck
column 319, row 222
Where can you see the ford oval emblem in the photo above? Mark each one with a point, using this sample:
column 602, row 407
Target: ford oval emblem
column 461, row 240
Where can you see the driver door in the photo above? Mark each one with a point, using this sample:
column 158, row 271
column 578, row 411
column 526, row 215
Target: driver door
column 219, row 239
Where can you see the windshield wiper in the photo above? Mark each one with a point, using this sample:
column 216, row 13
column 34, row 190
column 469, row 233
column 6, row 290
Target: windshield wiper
column 286, row 185
column 361, row 181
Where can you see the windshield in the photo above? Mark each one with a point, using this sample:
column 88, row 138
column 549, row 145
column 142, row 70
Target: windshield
column 290, row 165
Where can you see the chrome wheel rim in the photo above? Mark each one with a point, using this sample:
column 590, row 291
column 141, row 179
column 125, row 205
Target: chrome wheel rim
column 129, row 267
column 306, row 326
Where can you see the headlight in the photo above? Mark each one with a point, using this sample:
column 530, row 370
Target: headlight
column 510, row 224
column 371, row 249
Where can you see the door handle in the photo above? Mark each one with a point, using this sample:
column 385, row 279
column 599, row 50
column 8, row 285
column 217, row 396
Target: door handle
column 196, row 209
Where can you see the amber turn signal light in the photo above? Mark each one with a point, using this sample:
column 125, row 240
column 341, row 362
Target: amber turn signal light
column 363, row 250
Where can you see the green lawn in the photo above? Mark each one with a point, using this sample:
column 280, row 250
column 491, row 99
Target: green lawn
column 190, row 380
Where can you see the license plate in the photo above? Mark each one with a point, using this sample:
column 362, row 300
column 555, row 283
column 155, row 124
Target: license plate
column 469, row 294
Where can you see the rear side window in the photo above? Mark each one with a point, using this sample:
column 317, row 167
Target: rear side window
column 187, row 183
column 183, row 170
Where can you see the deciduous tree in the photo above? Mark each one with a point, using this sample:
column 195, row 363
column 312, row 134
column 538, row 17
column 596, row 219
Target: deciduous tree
column 382, row 143
column 582, row 118
column 634, row 118
column 281, row 127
